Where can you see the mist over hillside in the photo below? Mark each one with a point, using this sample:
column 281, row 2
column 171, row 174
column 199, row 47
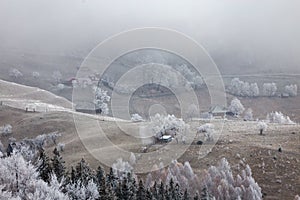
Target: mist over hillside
column 242, row 37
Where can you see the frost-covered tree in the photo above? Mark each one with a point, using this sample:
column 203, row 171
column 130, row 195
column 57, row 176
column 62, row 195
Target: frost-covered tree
column 60, row 87
column 269, row 89
column 132, row 159
column 15, row 73
column 221, row 183
column 262, row 126
column 61, row 147
column 291, row 90
column 170, row 125
column 121, row 168
column 36, row 75
column 208, row 130
column 20, row 180
column 6, row 130
column 57, row 76
column 136, row 118
column 181, row 174
column 278, row 117
column 101, row 100
column 192, row 112
column 78, row 190
column 236, row 107
column 248, row 116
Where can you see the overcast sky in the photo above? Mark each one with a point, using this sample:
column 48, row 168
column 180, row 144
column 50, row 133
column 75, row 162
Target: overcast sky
column 257, row 29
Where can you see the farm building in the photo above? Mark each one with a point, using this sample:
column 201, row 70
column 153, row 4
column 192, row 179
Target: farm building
column 218, row 111
column 87, row 107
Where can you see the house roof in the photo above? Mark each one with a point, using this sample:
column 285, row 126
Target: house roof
column 218, row 109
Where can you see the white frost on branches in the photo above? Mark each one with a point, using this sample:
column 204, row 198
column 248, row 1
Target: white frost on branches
column 236, row 107
column 245, row 89
column 19, row 180
column 269, row 89
column 168, row 124
column 101, row 100
column 278, row 117
column 208, row 130
column 262, row 126
column 291, row 90
column 15, row 73
column 221, row 183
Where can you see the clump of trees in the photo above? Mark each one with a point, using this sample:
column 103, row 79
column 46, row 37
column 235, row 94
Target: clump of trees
column 170, row 125
column 269, row 89
column 243, row 186
column 47, row 178
column 278, row 117
column 291, row 90
column 208, row 130
column 15, row 73
column 242, row 88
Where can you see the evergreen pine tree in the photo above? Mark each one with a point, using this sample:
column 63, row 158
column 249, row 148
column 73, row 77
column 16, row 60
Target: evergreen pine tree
column 83, row 172
column 125, row 190
column 111, row 179
column 154, row 190
column 186, row 195
column 149, row 195
column 196, row 197
column 141, row 192
column 178, row 194
column 161, row 191
column 44, row 167
column 58, row 165
column 131, row 186
column 205, row 194
column 73, row 174
column 100, row 180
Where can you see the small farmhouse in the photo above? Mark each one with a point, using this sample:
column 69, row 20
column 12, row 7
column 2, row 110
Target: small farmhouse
column 218, row 111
